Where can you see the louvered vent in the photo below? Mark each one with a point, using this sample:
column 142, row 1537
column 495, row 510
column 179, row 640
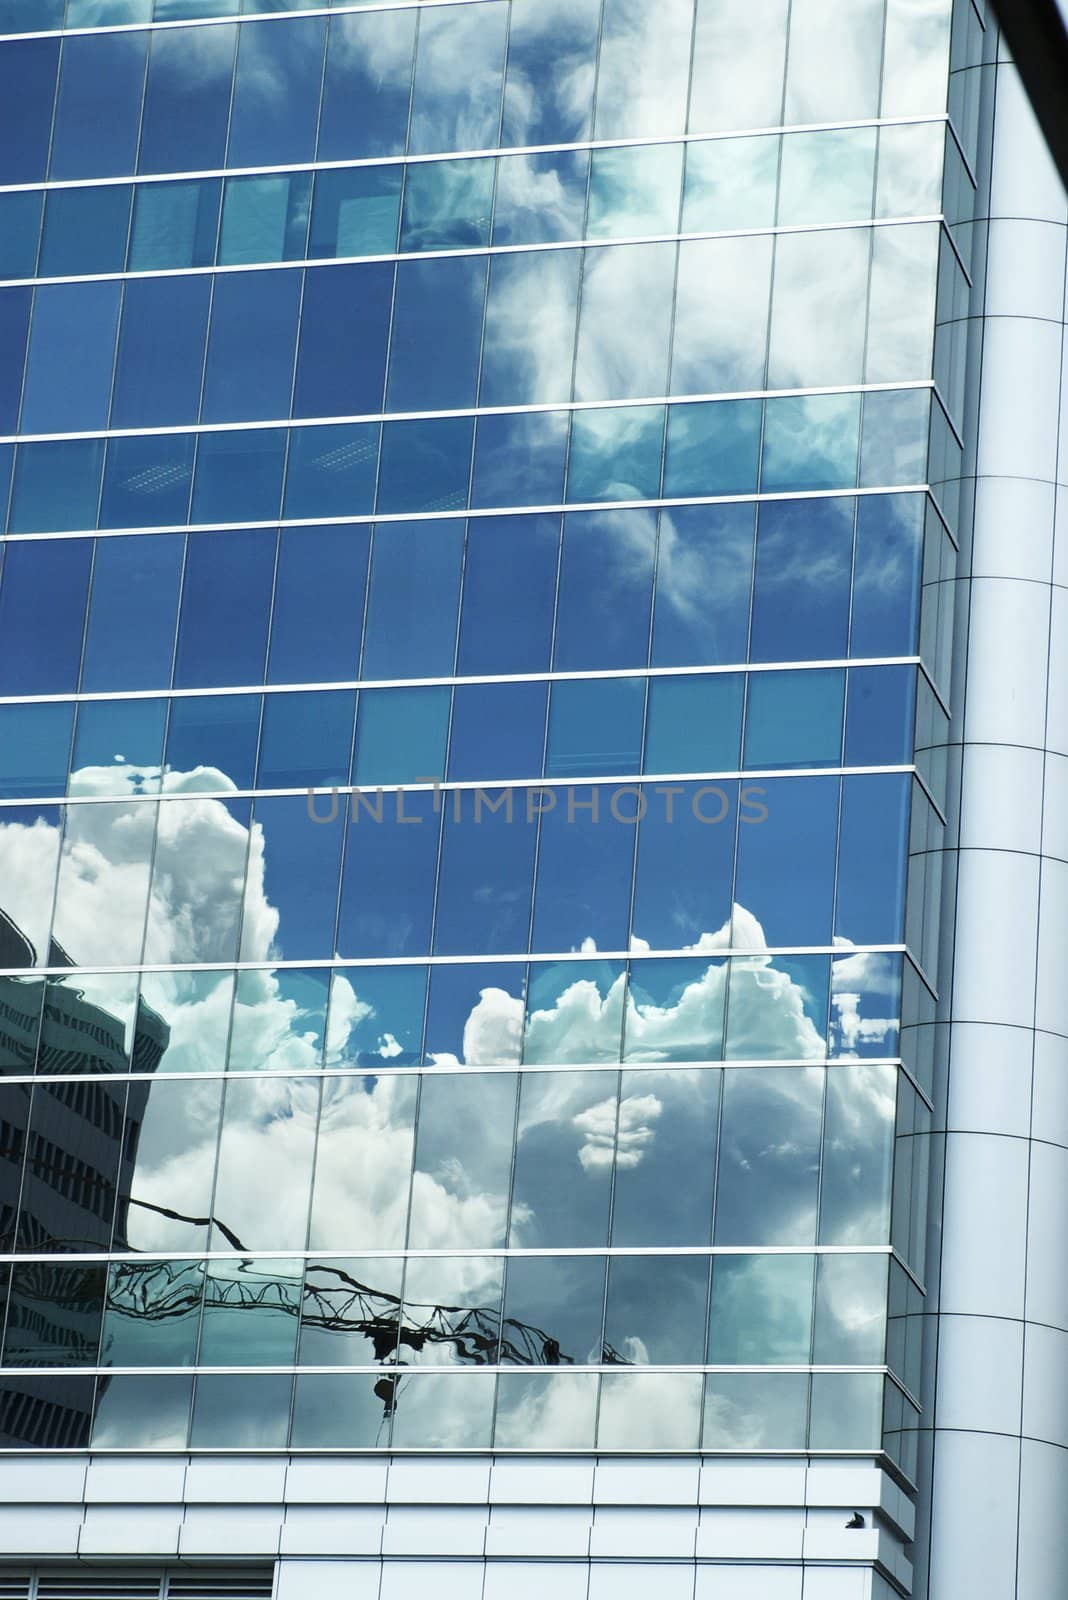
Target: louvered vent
column 128, row 1583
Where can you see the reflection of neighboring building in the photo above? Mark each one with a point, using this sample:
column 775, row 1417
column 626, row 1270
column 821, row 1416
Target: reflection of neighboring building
column 67, row 1154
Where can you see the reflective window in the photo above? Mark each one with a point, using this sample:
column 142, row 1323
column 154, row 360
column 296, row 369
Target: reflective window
column 187, row 99
column 276, row 93
column 98, row 106
column 129, row 640
column 367, row 85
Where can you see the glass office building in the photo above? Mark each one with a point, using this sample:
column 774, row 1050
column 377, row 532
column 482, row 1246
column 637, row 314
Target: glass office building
column 483, row 486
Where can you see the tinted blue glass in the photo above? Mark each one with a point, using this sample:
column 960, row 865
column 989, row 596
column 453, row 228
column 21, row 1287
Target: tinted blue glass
column 331, row 471
column 318, row 604
column 127, row 732
column 14, row 324
column 509, row 590
column 886, row 576
column 276, row 93
column 447, row 205
column 606, row 585
column 387, row 893
column 264, row 219
column 57, row 486
column 367, row 85
column 804, row 562
column 34, row 747
column 685, row 865
column 344, row 331
column 301, row 864
column 98, row 107
column 713, row 448
column 133, row 609
column 485, row 882
column 548, row 96
column 437, row 314
column 161, row 352
column 87, row 13
column 85, row 231
column 391, row 1028
column 27, row 88
column 811, row 442
column 455, row 995
column 529, row 348
column 425, row 466
column 595, row 726
column 187, row 99
column 239, row 475
column 498, row 730
column 616, row 455
column 519, row 459
column 880, row 704
column 306, row 739
column 410, row 631
column 459, row 78
column 147, row 481
column 24, row 16
column 174, row 224
column 540, row 198
column 226, row 594
column 400, row 735
column 20, row 224
column 704, row 573
column 249, row 372
column 785, row 872
column 42, row 580
column 584, row 874
column 694, row 724
column 216, row 731
column 872, row 848
column 355, row 212
column 71, row 354
column 794, row 719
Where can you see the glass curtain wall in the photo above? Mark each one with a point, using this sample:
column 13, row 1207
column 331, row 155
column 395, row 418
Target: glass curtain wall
column 476, row 509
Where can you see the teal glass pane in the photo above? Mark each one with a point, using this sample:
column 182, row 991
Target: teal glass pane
column 761, row 1310
column 264, row 219
column 57, row 485
column 616, row 454
column 730, row 183
column 595, row 728
column 34, row 747
column 426, row 466
column 355, row 212
column 174, row 224
column 827, row 176
column 894, row 437
column 694, row 724
column 712, row 448
column 123, row 738
column 85, row 230
column 794, row 719
column 239, row 475
column 634, row 190
column 306, row 741
column 20, row 224
column 519, row 459
column 98, row 13
column 810, row 442
column 447, row 205
column 146, row 481
column 30, row 16
column 400, row 735
column 331, row 470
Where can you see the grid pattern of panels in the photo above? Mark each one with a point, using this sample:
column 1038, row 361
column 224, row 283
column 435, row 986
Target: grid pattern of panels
column 510, row 1061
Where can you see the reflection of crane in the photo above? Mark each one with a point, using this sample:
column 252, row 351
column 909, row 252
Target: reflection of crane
column 331, row 1299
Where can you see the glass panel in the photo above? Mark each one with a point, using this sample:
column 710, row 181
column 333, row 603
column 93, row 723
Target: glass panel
column 755, row 1411
column 827, row 176
column 627, row 286
column 174, row 224
column 634, row 190
column 226, row 594
column 400, row 738
column 810, row 443
column 250, row 1313
column 498, row 731
column 656, row 1310
column 818, row 308
column 738, row 64
column 331, row 471
column 761, row 1310
column 595, row 726
column 438, row 306
column 276, row 93
column 147, row 481
column 341, row 1411
column 218, row 733
column 452, row 1311
column 317, row 616
column 713, row 449
column 142, row 1412
column 350, row 1312
column 85, row 231
column 509, row 594
column 178, row 930
column 363, row 1163
column 376, row 1017
column 529, row 341
column 291, row 891
column 166, row 1201
column 794, row 718
column 803, row 568
column 413, row 598
column 694, row 724
column 118, row 746
column 574, row 1012
column 344, row 328
column 451, row 1411
column 367, row 85
column 447, row 205
column 777, row 1009
column 249, row 370
column 582, row 898
column 850, row 1327
column 152, row 1317
column 682, row 890
column 769, row 1181
column 858, row 1150
column 98, row 106
column 266, row 1151
column 355, row 211
column 605, row 589
column 53, row 1315
column 566, row 1146
column 187, row 99
column 20, row 225
column 463, row 1163
column 71, row 354
column 834, row 61
column 47, row 578
column 161, row 352
column 425, row 466
column 264, row 219
column 34, row 749
column 703, row 580
column 730, row 183
column 279, row 1020
column 239, row 475
column 540, row 197
column 649, row 1411
column 487, row 871
column 540, row 1411
column 241, row 1411
column 548, row 95
column 519, row 459
column 650, row 1206
column 27, row 93
column 553, row 1310
column 456, row 97
column 644, row 67
column 721, row 314
column 387, row 893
